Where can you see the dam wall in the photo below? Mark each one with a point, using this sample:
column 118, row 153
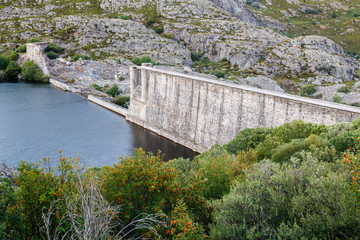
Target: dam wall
column 198, row 112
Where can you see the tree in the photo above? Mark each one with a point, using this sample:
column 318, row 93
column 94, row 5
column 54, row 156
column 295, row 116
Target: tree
column 113, row 91
column 12, row 71
column 32, row 73
column 4, row 62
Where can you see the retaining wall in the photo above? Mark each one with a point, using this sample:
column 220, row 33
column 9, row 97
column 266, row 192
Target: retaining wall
column 111, row 106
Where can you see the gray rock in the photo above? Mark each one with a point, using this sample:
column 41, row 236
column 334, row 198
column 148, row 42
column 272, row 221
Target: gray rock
column 262, row 82
column 7, row 170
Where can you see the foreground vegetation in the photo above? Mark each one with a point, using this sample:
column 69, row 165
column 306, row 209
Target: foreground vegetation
column 296, row 181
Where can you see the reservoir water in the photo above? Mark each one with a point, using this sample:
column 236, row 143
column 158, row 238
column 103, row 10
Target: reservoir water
column 37, row 121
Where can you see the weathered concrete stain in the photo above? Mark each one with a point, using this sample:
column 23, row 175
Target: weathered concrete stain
column 198, row 112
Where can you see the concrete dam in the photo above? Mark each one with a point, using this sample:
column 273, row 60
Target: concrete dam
column 198, row 112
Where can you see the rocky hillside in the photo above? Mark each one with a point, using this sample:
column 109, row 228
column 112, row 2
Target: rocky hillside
column 335, row 19
column 232, row 39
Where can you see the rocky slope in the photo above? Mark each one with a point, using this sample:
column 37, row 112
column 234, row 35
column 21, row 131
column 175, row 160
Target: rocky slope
column 336, row 19
column 220, row 37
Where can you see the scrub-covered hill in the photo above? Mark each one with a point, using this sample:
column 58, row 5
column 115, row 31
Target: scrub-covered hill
column 230, row 39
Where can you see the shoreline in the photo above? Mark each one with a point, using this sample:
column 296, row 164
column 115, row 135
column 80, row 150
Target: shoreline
column 92, row 98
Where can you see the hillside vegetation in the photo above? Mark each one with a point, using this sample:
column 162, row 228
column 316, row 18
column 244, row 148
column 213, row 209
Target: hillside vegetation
column 336, row 19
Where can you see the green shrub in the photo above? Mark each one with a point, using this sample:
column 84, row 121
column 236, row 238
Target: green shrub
column 52, row 47
column 343, row 89
column 52, row 55
column 297, row 129
column 307, row 199
column 308, row 90
column 45, row 78
column 21, row 49
column 184, row 165
column 219, row 74
column 197, row 56
column 10, row 221
column 318, row 96
column 266, row 148
column 123, row 101
column 35, row 40
column 216, row 171
column 113, row 91
column 32, row 73
column 144, row 59
column 82, row 56
column 124, row 17
column 97, row 87
column 159, row 30
column 284, row 152
column 246, row 139
column 12, row 71
column 312, row 11
column 13, row 56
column 336, row 98
column 168, row 35
column 344, row 140
column 4, row 62
column 39, row 186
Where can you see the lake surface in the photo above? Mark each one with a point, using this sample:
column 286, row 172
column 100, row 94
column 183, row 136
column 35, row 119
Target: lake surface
column 37, row 121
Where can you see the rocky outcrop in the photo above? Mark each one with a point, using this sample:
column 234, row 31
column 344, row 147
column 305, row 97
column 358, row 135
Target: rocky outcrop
column 239, row 10
column 310, row 55
column 83, row 73
column 221, row 29
column 7, row 170
column 263, row 83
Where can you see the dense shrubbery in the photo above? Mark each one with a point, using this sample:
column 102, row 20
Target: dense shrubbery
column 52, row 47
column 97, row 87
column 123, row 101
column 35, row 40
column 307, row 90
column 4, row 62
column 343, row 89
column 21, row 49
column 52, row 55
column 295, row 181
column 12, row 71
column 297, row 200
column 32, row 73
column 144, row 59
column 9, row 69
column 13, row 56
column 146, row 184
column 52, row 50
column 113, row 91
column 82, row 56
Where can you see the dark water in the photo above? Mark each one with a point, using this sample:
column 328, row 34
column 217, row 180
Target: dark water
column 37, row 121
